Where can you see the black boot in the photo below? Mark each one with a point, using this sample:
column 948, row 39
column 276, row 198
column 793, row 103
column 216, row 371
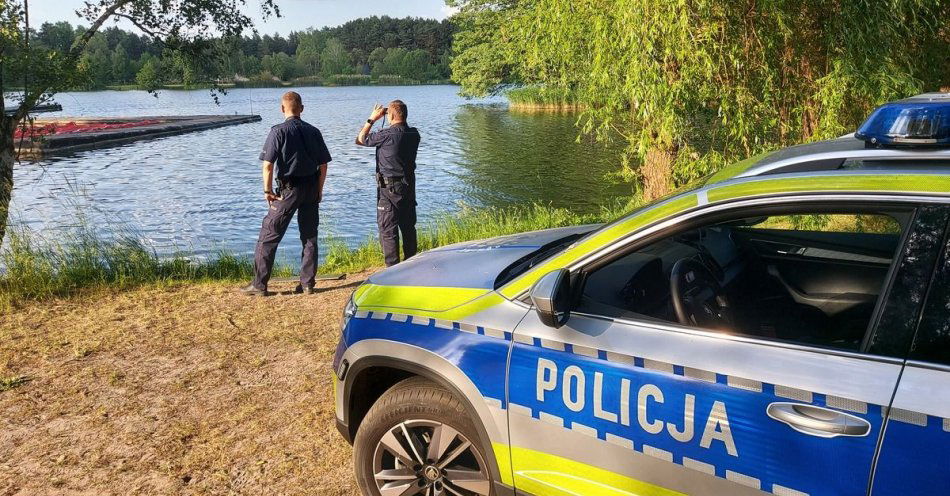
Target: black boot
column 251, row 290
column 308, row 290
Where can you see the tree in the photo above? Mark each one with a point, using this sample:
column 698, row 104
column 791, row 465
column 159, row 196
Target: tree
column 227, row 55
column 40, row 70
column 57, row 36
column 310, row 45
column 485, row 51
column 121, row 64
column 279, row 64
column 376, row 61
column 416, row 65
column 695, row 85
column 95, row 64
column 335, row 59
column 147, row 77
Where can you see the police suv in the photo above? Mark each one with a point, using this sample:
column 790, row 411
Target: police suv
column 782, row 327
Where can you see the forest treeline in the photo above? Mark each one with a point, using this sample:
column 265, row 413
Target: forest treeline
column 374, row 49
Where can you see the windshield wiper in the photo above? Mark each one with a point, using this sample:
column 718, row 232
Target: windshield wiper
column 528, row 261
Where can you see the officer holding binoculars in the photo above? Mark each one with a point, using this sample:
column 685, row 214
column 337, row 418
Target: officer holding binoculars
column 396, row 148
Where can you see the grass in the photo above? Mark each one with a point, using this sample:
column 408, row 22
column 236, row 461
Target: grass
column 470, row 224
column 541, row 98
column 8, row 383
column 37, row 269
column 170, row 86
column 187, row 389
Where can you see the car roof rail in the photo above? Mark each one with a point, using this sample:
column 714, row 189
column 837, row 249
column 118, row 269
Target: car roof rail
column 846, row 152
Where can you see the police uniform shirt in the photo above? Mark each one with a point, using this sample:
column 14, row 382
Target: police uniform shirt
column 396, row 148
column 295, row 148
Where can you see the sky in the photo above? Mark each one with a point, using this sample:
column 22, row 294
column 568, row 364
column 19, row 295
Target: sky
column 296, row 15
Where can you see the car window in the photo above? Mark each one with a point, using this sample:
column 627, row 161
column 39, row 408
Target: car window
column 799, row 277
column 932, row 343
column 853, row 223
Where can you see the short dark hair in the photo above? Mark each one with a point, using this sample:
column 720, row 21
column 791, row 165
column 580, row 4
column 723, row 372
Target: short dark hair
column 398, row 108
column 292, row 99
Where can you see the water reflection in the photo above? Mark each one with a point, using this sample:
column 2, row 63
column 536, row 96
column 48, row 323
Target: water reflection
column 512, row 158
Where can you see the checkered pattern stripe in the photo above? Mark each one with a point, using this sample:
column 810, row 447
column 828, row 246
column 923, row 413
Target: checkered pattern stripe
column 845, row 404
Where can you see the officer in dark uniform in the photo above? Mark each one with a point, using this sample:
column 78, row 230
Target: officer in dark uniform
column 298, row 151
column 396, row 148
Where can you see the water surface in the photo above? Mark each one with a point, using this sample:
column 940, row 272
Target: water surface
column 202, row 191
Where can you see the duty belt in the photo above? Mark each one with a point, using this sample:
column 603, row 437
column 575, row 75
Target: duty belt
column 295, row 181
column 387, row 182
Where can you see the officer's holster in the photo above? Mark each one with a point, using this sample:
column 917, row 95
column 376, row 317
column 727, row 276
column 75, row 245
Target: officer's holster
column 387, row 182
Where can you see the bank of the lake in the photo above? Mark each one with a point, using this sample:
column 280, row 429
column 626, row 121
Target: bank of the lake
column 541, row 99
column 83, row 261
column 340, row 80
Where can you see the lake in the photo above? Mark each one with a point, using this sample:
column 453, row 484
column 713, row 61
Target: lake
column 201, row 192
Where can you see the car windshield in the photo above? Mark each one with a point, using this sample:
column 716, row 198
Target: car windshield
column 686, row 188
column 525, row 263
column 549, row 250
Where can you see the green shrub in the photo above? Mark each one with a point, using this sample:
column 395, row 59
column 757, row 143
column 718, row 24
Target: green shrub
column 542, row 97
column 308, row 81
column 348, row 80
column 263, row 80
column 395, row 80
column 36, row 268
column 470, row 224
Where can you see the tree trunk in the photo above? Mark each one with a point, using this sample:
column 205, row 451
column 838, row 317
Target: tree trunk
column 657, row 172
column 7, row 151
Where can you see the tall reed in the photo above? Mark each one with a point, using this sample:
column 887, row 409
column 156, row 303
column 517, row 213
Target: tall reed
column 35, row 268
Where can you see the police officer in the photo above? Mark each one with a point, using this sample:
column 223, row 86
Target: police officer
column 300, row 155
column 396, row 148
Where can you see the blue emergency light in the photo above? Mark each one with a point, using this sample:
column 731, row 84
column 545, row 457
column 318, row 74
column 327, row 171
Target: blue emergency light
column 919, row 121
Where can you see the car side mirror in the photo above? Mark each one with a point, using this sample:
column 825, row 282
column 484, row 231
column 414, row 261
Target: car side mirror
column 551, row 297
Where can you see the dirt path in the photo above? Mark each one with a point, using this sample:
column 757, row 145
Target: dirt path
column 188, row 390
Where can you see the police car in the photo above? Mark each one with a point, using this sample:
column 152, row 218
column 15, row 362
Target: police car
column 783, row 327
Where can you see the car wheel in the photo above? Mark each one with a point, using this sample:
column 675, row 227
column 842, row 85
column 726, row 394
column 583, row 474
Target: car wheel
column 417, row 439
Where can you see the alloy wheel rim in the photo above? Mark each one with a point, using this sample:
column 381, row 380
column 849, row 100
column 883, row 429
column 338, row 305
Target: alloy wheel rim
column 428, row 458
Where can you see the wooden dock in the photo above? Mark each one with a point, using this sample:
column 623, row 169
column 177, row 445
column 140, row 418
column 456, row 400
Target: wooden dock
column 153, row 127
column 49, row 107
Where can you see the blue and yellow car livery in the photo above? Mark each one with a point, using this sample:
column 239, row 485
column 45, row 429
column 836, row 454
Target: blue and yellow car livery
column 631, row 403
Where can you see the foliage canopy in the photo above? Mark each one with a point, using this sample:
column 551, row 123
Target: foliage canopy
column 114, row 56
column 699, row 84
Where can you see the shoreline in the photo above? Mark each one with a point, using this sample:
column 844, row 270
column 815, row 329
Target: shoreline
column 232, row 86
column 84, row 261
column 566, row 108
column 537, row 99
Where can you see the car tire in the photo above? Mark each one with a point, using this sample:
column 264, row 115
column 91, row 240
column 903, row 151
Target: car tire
column 418, row 434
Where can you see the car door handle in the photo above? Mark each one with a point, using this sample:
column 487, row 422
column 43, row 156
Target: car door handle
column 818, row 421
column 779, row 248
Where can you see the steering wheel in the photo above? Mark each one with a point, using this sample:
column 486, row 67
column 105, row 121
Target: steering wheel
column 698, row 298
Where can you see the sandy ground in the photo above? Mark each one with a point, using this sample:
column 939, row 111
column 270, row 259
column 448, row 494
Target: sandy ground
column 185, row 390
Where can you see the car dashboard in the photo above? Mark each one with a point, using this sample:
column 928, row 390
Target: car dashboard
column 638, row 284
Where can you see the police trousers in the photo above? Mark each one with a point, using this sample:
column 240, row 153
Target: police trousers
column 301, row 199
column 395, row 214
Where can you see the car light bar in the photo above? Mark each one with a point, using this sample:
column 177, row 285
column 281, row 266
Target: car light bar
column 912, row 122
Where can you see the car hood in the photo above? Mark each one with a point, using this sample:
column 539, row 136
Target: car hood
column 472, row 264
